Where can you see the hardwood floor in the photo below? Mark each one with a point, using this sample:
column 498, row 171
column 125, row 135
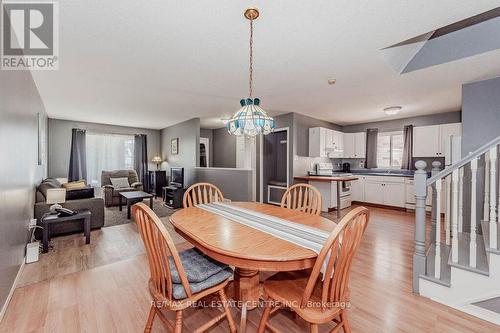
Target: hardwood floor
column 112, row 296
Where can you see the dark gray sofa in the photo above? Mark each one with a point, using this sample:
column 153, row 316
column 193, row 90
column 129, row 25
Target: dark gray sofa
column 95, row 205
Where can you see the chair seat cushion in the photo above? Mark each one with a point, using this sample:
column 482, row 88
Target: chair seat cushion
column 178, row 290
column 198, row 267
column 277, row 183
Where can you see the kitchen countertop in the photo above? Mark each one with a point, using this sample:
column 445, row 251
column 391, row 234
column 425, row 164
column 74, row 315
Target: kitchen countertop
column 383, row 172
column 326, row 179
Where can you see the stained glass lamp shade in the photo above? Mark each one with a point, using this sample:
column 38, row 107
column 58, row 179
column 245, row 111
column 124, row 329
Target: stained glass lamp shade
column 250, row 120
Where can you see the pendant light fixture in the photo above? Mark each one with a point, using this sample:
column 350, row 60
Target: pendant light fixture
column 251, row 119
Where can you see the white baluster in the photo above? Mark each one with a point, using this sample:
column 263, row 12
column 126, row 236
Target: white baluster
column 437, row 261
column 461, row 200
column 454, row 216
column 486, row 207
column 473, row 208
column 493, row 196
column 447, row 214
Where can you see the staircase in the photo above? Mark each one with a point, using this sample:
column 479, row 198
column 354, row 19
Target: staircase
column 459, row 263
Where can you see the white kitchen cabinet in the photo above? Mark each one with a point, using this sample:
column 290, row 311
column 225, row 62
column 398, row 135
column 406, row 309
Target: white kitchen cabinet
column 434, row 141
column 389, row 191
column 360, row 145
column 349, row 145
column 338, row 140
column 447, row 131
column 373, row 192
column 394, row 194
column 324, row 142
column 354, row 145
column 410, row 196
column 329, row 144
column 358, row 189
column 317, row 142
column 426, row 141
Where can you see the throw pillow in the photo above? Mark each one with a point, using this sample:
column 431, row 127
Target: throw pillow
column 119, row 182
column 75, row 185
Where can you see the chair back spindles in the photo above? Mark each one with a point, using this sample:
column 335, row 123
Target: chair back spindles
column 302, row 197
column 201, row 193
column 335, row 259
column 159, row 247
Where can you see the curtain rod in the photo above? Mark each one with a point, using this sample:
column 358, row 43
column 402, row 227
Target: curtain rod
column 104, row 132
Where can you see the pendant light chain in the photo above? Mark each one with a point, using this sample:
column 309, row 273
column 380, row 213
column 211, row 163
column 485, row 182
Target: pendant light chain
column 250, row 119
column 250, row 81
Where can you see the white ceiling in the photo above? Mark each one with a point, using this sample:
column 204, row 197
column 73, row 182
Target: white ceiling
column 155, row 63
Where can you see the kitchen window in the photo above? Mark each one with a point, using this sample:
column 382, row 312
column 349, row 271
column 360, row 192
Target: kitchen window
column 390, row 150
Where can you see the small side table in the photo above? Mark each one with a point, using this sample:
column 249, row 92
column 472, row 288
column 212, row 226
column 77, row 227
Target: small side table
column 84, row 215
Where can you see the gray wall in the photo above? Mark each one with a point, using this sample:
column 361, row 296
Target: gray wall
column 398, row 124
column 480, row 113
column 60, row 142
column 224, row 179
column 224, row 152
column 481, row 124
column 188, row 133
column 209, row 133
column 19, row 172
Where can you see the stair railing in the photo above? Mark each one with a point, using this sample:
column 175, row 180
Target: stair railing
column 450, row 184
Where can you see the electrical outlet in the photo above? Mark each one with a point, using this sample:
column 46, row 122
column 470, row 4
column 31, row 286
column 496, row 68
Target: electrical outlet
column 32, row 223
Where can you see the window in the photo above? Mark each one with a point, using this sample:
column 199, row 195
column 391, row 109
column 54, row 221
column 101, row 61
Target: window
column 390, row 150
column 108, row 152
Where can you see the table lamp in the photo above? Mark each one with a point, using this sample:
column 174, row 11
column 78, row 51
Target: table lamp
column 55, row 197
column 157, row 160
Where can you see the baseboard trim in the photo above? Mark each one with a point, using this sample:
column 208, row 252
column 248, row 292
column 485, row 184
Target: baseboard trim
column 401, row 209
column 14, row 285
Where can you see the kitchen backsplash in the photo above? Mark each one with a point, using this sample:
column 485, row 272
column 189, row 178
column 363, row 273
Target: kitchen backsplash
column 303, row 164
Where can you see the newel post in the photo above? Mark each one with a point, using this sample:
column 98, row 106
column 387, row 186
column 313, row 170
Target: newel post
column 420, row 184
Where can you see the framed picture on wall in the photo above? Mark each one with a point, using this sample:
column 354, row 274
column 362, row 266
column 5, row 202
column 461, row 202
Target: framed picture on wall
column 174, row 146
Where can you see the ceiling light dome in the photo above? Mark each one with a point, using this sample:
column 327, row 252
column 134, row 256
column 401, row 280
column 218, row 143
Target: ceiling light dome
column 390, row 111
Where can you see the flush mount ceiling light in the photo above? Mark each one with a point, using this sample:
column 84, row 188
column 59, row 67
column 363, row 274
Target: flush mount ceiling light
column 251, row 119
column 391, row 111
column 332, row 81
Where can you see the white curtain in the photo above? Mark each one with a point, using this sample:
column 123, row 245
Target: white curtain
column 108, row 152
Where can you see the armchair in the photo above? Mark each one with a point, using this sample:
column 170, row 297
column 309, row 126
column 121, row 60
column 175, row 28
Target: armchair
column 112, row 194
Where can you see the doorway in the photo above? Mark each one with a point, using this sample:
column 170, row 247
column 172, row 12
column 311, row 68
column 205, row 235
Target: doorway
column 274, row 165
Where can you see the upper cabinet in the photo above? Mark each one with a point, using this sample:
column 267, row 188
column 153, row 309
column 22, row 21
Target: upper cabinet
column 324, row 142
column 434, row 141
column 354, row 145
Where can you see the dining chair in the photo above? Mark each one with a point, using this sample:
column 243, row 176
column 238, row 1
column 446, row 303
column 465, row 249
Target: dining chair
column 303, row 197
column 177, row 280
column 321, row 295
column 201, row 193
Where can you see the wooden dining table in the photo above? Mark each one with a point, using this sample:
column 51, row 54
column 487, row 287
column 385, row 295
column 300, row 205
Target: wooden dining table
column 247, row 249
